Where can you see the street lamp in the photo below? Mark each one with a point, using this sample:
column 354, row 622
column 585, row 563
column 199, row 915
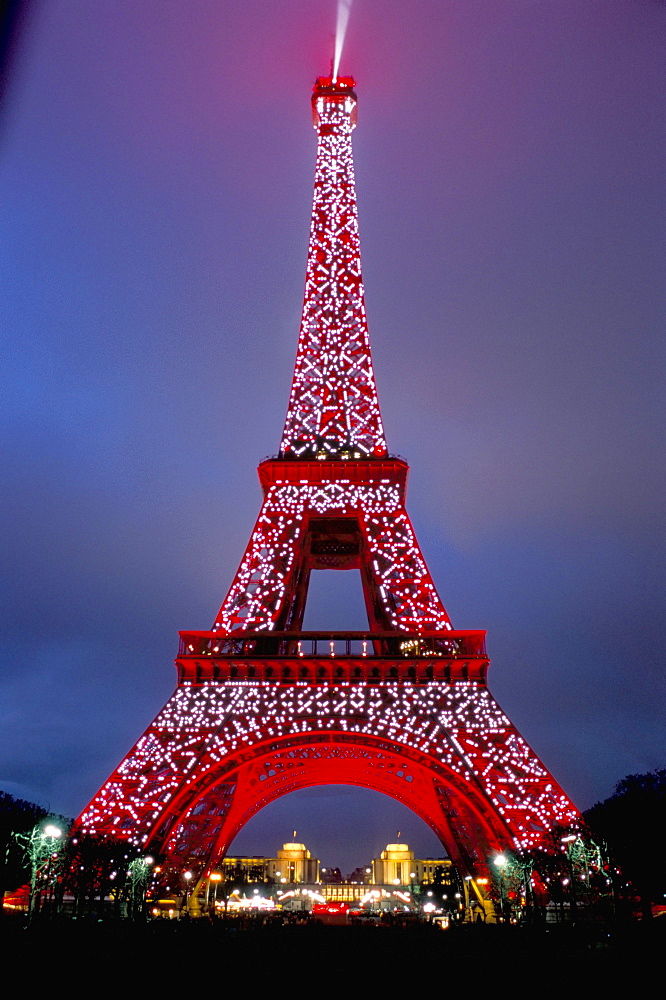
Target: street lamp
column 216, row 878
column 568, row 842
column 188, row 876
column 500, row 861
column 39, row 846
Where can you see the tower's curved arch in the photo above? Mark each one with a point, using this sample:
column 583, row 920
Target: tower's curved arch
column 204, row 819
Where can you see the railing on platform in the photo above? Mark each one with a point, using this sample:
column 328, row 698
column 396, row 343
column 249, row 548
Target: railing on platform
column 333, row 644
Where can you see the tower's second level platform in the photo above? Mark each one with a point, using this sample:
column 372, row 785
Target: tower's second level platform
column 391, row 470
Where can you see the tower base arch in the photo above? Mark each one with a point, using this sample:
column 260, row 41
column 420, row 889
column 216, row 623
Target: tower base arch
column 232, row 740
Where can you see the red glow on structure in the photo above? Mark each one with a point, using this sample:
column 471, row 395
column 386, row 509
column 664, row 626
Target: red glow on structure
column 262, row 708
column 327, row 84
column 330, row 908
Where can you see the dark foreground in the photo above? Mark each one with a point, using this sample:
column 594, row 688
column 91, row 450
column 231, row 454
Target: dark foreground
column 225, row 954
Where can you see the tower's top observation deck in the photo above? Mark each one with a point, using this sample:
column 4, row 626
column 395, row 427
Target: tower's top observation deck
column 334, row 104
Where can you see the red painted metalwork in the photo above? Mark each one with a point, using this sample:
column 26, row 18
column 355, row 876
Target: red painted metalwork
column 261, row 707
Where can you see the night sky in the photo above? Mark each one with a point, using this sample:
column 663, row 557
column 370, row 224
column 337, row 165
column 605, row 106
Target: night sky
column 156, row 168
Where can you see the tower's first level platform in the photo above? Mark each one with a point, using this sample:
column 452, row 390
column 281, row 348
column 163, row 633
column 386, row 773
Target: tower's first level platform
column 333, row 657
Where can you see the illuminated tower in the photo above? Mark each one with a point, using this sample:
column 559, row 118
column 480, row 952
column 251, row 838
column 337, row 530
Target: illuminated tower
column 262, row 708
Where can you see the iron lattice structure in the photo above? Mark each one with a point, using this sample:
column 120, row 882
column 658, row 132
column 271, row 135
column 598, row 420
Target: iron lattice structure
column 263, row 708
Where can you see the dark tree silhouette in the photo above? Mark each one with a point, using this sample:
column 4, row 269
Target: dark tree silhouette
column 636, row 811
column 16, row 816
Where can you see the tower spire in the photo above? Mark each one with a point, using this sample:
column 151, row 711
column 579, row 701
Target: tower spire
column 333, row 406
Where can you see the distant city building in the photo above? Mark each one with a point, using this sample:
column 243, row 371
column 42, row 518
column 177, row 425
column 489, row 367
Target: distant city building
column 398, row 866
column 250, row 869
column 331, row 875
column 294, row 865
column 362, row 875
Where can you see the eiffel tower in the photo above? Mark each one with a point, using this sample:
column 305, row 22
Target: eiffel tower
column 263, row 708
